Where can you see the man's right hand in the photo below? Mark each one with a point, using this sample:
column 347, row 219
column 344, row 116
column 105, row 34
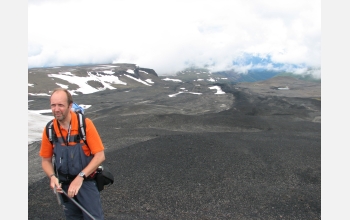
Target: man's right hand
column 55, row 185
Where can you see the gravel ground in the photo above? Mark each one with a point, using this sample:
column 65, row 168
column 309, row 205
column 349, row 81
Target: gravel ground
column 258, row 158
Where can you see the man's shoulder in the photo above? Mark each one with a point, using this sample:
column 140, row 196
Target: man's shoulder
column 50, row 122
column 88, row 121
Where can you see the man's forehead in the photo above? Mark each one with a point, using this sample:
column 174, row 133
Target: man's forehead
column 59, row 96
column 59, row 93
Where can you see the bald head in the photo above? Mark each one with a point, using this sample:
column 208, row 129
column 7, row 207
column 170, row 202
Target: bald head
column 67, row 93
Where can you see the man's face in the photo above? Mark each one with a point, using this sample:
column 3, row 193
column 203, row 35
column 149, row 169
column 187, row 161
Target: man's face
column 59, row 105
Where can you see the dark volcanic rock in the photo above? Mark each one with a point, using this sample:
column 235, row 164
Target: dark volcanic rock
column 253, row 153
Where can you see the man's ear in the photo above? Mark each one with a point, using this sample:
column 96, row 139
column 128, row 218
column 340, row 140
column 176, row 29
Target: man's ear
column 70, row 105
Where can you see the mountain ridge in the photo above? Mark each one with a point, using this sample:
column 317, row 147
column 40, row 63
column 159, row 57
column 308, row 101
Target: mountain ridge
column 189, row 74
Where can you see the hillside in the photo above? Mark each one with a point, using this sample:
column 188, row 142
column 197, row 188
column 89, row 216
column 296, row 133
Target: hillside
column 192, row 148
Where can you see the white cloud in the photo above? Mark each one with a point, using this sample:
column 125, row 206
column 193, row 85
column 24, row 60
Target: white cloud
column 151, row 35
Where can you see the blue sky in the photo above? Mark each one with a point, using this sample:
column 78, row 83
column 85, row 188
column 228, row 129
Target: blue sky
column 169, row 36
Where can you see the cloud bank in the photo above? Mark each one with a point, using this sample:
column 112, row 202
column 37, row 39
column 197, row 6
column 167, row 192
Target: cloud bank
column 169, row 36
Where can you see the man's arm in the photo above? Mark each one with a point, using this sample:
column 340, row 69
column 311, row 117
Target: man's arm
column 47, row 166
column 96, row 161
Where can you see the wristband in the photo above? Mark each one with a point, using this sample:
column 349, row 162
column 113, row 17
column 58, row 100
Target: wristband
column 52, row 175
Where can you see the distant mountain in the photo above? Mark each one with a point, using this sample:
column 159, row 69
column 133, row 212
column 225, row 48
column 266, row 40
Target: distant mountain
column 304, row 77
column 232, row 77
column 127, row 73
column 89, row 78
column 130, row 82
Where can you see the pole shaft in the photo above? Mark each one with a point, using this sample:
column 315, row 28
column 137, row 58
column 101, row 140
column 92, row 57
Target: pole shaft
column 81, row 207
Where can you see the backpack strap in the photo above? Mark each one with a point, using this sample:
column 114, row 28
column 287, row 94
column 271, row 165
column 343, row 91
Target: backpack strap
column 51, row 134
column 82, row 126
column 50, row 131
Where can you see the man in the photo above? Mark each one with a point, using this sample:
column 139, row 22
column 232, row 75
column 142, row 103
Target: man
column 74, row 162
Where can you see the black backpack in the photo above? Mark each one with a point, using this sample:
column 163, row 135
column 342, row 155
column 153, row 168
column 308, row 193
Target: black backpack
column 103, row 176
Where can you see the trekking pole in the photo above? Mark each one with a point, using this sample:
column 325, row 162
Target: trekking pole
column 81, row 207
column 59, row 198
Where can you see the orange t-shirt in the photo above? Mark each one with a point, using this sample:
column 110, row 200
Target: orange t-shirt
column 93, row 138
